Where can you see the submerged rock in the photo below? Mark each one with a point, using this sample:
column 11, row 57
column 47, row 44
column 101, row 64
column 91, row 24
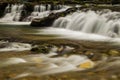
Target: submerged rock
column 114, row 53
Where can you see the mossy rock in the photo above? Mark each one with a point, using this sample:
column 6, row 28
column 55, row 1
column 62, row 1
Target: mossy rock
column 45, row 48
column 40, row 50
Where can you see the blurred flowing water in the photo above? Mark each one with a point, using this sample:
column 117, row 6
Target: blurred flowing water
column 76, row 26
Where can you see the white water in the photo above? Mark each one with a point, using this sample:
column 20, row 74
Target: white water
column 12, row 61
column 14, row 46
column 74, row 35
column 42, row 64
column 38, row 65
column 12, row 13
column 15, row 23
column 104, row 22
column 41, row 12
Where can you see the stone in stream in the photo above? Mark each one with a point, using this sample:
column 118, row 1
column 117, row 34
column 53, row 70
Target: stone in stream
column 48, row 21
column 49, row 48
column 40, row 49
column 86, row 65
column 64, row 49
column 114, row 53
column 45, row 48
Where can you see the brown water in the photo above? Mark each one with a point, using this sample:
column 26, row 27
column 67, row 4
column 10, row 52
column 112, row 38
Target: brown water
column 45, row 67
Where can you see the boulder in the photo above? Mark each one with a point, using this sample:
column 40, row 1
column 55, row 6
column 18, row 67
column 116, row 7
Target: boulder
column 44, row 48
column 48, row 21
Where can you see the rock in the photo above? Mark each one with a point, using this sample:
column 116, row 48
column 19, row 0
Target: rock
column 86, row 64
column 114, row 53
column 60, row 50
column 2, row 8
column 45, row 48
column 34, row 49
column 48, row 21
column 65, row 50
column 40, row 50
column 89, row 54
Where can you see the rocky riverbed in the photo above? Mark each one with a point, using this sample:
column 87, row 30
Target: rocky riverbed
column 104, row 54
column 27, row 55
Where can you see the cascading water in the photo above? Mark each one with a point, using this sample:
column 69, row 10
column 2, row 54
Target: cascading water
column 46, row 64
column 100, row 22
column 13, row 46
column 13, row 12
column 41, row 11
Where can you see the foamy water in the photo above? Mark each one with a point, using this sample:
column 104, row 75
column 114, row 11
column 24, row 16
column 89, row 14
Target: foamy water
column 38, row 65
column 14, row 46
column 14, row 23
column 74, row 35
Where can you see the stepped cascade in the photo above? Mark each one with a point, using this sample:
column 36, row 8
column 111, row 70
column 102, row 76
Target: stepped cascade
column 14, row 12
column 41, row 11
column 103, row 22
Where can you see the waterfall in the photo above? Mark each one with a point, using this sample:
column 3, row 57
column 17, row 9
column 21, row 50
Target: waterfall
column 13, row 12
column 104, row 22
column 41, row 11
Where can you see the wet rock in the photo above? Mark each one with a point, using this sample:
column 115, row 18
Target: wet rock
column 45, row 48
column 60, row 49
column 2, row 8
column 48, row 21
column 86, row 65
column 89, row 54
column 64, row 50
column 40, row 49
column 114, row 53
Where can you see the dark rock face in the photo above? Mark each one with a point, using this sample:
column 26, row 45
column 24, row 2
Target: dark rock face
column 2, row 8
column 48, row 21
column 27, row 10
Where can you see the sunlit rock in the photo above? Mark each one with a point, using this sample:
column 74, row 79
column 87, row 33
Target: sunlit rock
column 86, row 65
